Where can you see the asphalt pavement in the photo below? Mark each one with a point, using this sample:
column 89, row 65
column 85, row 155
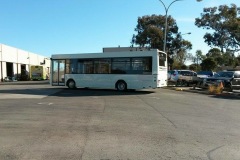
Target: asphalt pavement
column 89, row 124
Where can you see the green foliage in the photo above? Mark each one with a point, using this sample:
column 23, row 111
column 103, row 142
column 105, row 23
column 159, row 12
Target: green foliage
column 223, row 58
column 217, row 55
column 150, row 31
column 176, row 65
column 181, row 56
column 208, row 64
column 237, row 61
column 225, row 23
column 183, row 66
column 229, row 59
column 214, row 52
column 195, row 67
column 197, row 59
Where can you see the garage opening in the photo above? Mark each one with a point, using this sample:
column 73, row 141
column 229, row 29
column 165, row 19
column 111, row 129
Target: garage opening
column 10, row 72
column 24, row 73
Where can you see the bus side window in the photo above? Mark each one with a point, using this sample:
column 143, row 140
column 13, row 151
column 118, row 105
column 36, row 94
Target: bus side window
column 80, row 68
column 121, row 65
column 142, row 65
column 88, row 67
column 68, row 68
column 73, row 66
column 102, row 66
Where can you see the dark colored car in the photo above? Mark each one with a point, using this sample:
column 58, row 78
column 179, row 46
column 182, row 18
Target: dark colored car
column 230, row 80
column 205, row 74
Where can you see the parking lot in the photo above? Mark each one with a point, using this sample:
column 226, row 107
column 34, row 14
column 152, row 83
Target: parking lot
column 38, row 121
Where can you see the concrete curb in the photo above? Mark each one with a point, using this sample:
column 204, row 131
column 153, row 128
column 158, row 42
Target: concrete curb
column 225, row 93
column 203, row 91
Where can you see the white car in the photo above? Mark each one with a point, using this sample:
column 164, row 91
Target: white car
column 183, row 77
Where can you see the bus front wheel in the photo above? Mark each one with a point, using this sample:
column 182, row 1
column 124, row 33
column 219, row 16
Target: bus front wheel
column 71, row 84
column 121, row 86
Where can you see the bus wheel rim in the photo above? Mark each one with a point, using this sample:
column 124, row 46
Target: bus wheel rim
column 71, row 84
column 121, row 86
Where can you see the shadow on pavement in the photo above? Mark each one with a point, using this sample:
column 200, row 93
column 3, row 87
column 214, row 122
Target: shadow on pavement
column 226, row 96
column 31, row 91
column 80, row 92
column 65, row 92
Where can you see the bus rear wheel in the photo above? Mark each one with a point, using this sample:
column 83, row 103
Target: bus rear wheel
column 121, row 86
column 71, row 84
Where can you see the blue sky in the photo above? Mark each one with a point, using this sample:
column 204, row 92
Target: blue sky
column 50, row 27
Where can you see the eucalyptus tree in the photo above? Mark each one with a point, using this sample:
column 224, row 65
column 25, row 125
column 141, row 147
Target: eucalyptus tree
column 223, row 23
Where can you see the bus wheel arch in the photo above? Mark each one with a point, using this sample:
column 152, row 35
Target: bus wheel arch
column 121, row 85
column 71, row 84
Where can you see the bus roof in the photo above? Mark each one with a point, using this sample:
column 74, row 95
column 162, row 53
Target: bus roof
column 145, row 53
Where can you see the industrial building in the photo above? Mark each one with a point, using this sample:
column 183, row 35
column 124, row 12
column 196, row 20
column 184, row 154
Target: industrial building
column 15, row 64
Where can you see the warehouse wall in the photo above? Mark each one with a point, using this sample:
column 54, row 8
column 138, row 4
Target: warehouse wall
column 19, row 58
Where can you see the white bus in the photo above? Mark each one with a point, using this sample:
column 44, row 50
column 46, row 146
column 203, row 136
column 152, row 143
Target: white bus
column 110, row 70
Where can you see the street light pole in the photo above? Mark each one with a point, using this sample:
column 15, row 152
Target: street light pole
column 166, row 23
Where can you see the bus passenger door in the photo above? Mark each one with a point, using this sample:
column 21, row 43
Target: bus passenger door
column 58, row 72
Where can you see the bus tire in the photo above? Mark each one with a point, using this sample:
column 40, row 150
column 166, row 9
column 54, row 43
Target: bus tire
column 121, row 86
column 71, row 84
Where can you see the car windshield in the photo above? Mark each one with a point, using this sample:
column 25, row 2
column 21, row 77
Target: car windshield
column 224, row 74
column 205, row 73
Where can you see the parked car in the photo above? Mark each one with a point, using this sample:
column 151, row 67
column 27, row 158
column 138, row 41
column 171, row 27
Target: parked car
column 205, row 74
column 230, row 80
column 187, row 77
column 183, row 77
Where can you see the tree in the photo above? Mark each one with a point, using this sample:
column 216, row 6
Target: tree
column 229, row 59
column 194, row 67
column 183, row 66
column 200, row 55
column 237, row 61
column 224, row 22
column 214, row 52
column 182, row 55
column 150, row 33
column 180, row 48
column 217, row 55
column 176, row 65
column 208, row 64
column 197, row 59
